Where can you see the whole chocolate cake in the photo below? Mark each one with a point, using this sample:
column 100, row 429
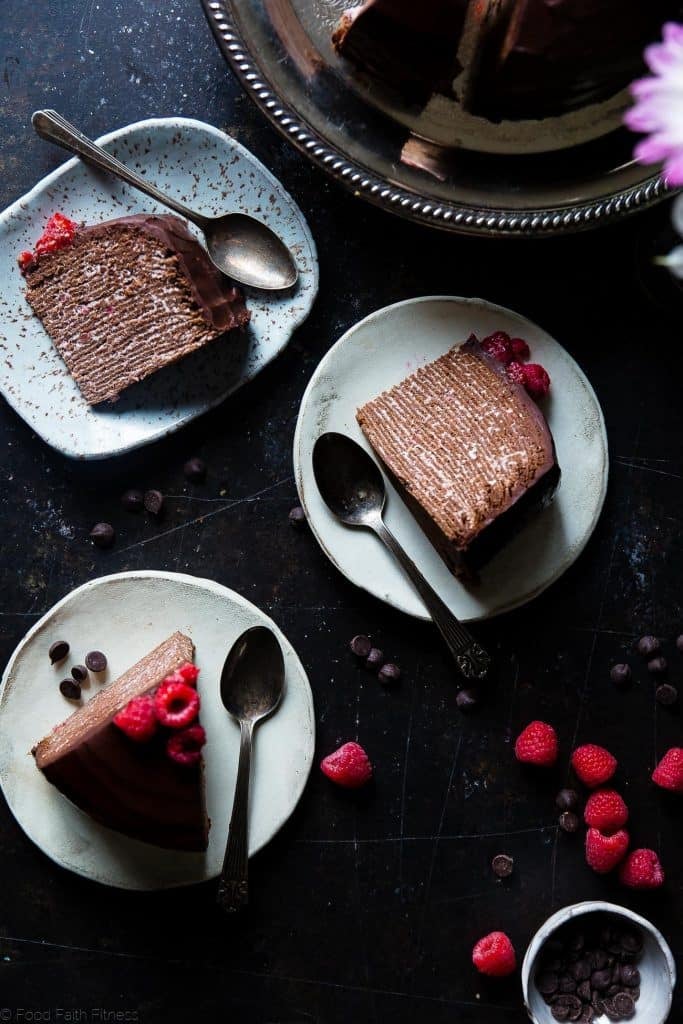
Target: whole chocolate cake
column 519, row 59
column 127, row 297
column 133, row 768
column 468, row 449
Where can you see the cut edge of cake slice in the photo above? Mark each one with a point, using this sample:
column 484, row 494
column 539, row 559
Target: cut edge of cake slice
column 131, row 787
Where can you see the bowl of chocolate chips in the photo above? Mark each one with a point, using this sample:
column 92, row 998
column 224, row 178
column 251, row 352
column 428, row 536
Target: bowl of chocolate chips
column 598, row 962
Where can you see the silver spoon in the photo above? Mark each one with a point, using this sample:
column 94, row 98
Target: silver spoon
column 240, row 246
column 353, row 489
column 251, row 688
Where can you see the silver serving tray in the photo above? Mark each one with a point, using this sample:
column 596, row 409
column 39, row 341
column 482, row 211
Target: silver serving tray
column 280, row 51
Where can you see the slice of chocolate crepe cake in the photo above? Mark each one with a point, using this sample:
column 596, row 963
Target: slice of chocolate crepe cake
column 127, row 297
column 468, row 449
column 132, row 785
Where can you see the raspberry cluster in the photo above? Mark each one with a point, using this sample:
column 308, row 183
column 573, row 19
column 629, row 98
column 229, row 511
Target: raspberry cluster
column 173, row 706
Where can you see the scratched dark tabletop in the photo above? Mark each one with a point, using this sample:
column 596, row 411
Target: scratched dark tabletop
column 365, row 907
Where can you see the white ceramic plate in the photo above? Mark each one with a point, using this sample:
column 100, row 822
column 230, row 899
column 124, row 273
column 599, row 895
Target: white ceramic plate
column 208, row 171
column 126, row 615
column 379, row 352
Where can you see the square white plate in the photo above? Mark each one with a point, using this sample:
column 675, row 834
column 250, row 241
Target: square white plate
column 212, row 173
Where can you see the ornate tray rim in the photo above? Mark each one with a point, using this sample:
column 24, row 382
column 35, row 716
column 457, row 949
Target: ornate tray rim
column 422, row 209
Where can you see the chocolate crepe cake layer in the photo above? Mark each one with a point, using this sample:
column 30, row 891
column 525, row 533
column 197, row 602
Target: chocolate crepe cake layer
column 518, row 59
column 131, row 787
column 468, row 449
column 128, row 297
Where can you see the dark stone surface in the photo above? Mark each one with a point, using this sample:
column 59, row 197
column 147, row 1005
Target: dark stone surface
column 366, row 906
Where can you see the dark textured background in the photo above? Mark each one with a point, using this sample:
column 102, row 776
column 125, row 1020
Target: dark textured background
column 364, row 908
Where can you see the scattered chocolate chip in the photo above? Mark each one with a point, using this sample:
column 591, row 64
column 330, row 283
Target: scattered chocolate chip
column 375, row 658
column 666, row 694
column 389, row 674
column 466, row 699
column 584, row 991
column 596, row 1002
column 502, row 865
column 648, row 646
column 70, row 689
column 581, row 969
column 195, row 470
column 361, row 646
column 569, row 822
column 567, row 984
column 586, row 1016
column 658, row 665
column 103, row 535
column 620, row 674
column 96, row 661
column 58, row 651
column 297, row 516
column 601, row 980
column 153, row 502
column 560, row 1013
column 612, row 991
column 610, row 1010
column 133, row 501
column 624, row 1005
column 629, row 975
column 572, row 1002
column 567, row 800
column 547, row 982
column 79, row 673
column 631, row 941
column 599, row 959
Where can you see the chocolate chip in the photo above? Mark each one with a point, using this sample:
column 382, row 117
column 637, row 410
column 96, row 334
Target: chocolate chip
column 567, row 800
column 133, row 501
column 103, row 535
column 657, row 666
column 195, row 470
column 547, row 983
column 58, row 651
column 620, row 674
column 631, row 941
column 610, row 1010
column 624, row 1005
column 153, row 502
column 560, row 1013
column 629, row 975
column 612, row 991
column 573, row 1004
column 502, row 865
column 96, row 661
column 567, row 984
column 79, row 673
column 666, row 694
column 580, row 970
column 584, row 991
column 596, row 1003
column 587, row 1015
column 648, row 646
column 599, row 959
column 569, row 822
column 297, row 516
column 466, row 699
column 361, row 646
column 601, row 980
column 70, row 689
column 389, row 674
column 375, row 658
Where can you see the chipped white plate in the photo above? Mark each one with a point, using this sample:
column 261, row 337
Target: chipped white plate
column 205, row 169
column 126, row 615
column 380, row 351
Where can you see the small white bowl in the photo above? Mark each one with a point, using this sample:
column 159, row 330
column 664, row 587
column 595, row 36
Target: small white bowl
column 656, row 965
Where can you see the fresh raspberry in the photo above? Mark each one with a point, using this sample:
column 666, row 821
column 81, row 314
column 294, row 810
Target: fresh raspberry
column 520, row 349
column 604, row 852
column 177, row 703
column 189, row 673
column 494, row 955
column 537, row 744
column 536, row 380
column 25, row 259
column 669, row 772
column 515, row 372
column 498, row 346
column 58, row 233
column 642, row 870
column 349, row 766
column 185, row 746
column 593, row 764
column 138, row 719
column 605, row 810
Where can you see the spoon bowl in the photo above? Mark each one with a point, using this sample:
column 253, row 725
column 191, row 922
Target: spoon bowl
column 253, row 675
column 348, row 479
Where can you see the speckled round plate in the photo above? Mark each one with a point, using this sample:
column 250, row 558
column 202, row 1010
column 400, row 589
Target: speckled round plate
column 126, row 615
column 209, row 171
column 380, row 351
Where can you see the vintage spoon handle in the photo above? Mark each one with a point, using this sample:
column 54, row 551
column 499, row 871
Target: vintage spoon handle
column 233, row 887
column 52, row 126
column 471, row 659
